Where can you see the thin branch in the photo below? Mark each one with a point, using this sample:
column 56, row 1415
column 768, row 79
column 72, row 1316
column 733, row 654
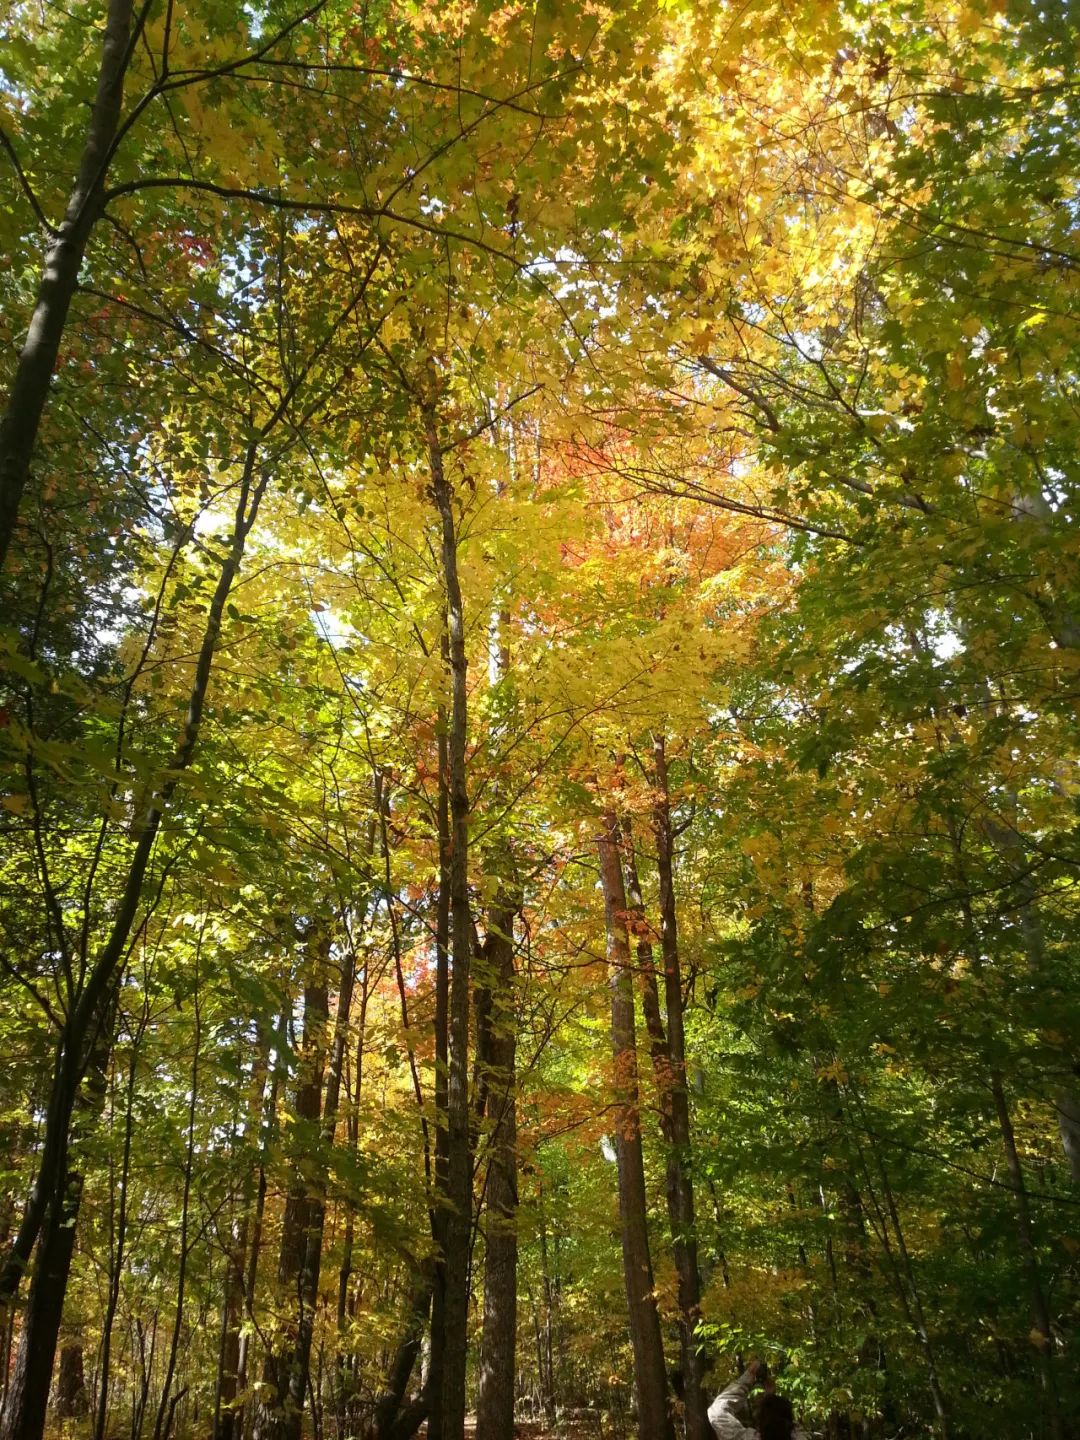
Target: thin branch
column 27, row 189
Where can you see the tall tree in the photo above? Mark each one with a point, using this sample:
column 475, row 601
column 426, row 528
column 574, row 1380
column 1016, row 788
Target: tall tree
column 650, row 1375
column 496, row 1395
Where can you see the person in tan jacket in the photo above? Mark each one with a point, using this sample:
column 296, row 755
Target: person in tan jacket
column 775, row 1417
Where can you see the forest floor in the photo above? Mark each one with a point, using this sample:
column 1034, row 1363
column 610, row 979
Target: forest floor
column 536, row 1430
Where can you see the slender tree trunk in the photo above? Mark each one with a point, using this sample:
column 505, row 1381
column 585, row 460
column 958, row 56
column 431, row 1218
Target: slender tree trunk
column 27, row 1397
column 546, row 1340
column 668, row 1050
column 495, row 1408
column 498, row 1350
column 302, row 1235
column 1040, row 1310
column 346, row 1361
column 141, row 1399
column 117, row 1259
column 391, row 1421
column 167, row 1404
column 251, row 1278
column 60, row 275
column 654, row 1422
column 5, row 1357
column 903, row 1276
column 680, row 1190
column 232, row 1316
column 285, row 1371
column 448, row 1421
column 232, row 1351
column 440, row 1210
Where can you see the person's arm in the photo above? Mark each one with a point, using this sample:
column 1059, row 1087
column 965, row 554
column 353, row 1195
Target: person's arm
column 722, row 1412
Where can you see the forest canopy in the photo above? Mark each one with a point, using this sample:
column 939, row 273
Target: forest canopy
column 540, row 658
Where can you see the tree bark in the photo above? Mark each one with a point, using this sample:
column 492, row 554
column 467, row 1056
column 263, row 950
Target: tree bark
column 27, row 1397
column 545, row 1336
column 232, row 1351
column 447, row 1417
column 231, row 1322
column 388, row 1405
column 168, row 1403
column 60, row 275
column 286, row 1366
column 495, row 1407
column 680, row 1190
column 440, row 1210
column 72, row 1401
column 1067, row 1106
column 346, row 1360
column 268, row 1126
column 650, row 1380
column 117, row 1259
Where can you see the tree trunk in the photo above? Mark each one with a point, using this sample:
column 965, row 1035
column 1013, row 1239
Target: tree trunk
column 28, row 1387
column 289, row 1371
column 232, row 1354
column 545, row 1339
column 440, row 1211
column 231, row 1322
column 285, row 1370
column 268, row 1127
column 346, row 1361
column 680, row 1191
column 495, row 1408
column 901, row 1272
column 388, row 1405
column 60, row 275
column 1040, row 1310
column 27, row 1397
column 168, row 1403
column 117, row 1258
column 447, row 1419
column 72, row 1401
column 654, row 1422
